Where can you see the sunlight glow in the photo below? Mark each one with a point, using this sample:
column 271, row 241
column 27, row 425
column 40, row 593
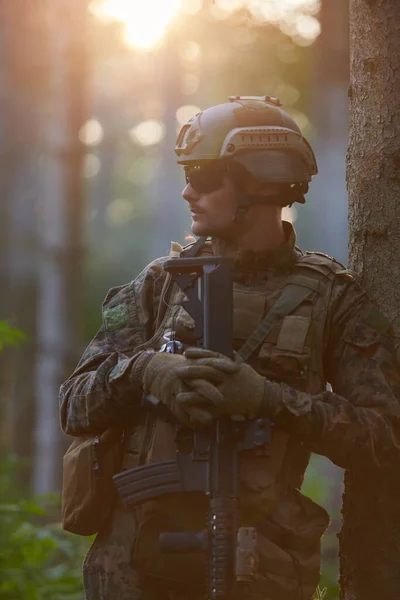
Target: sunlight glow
column 148, row 133
column 192, row 7
column 190, row 51
column 295, row 17
column 145, row 20
column 185, row 112
column 91, row 133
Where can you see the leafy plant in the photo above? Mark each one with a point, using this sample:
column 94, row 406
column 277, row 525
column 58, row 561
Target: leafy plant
column 9, row 336
column 320, row 594
column 38, row 561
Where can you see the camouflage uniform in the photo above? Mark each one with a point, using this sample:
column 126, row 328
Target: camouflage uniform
column 357, row 425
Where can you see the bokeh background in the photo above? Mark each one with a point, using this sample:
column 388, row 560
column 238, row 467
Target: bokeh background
column 92, row 95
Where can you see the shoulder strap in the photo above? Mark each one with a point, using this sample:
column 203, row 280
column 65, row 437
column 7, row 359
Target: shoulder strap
column 192, row 250
column 187, row 252
column 297, row 290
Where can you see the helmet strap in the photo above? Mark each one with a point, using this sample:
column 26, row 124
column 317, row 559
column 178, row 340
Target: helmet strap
column 296, row 193
column 243, row 202
column 293, row 194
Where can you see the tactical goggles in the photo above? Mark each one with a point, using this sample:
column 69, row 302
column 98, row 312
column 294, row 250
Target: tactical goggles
column 205, row 179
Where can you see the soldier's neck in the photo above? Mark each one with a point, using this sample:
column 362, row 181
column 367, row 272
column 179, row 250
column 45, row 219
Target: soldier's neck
column 262, row 230
column 260, row 238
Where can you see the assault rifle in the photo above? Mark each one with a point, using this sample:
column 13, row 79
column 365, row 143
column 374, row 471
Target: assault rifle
column 212, row 465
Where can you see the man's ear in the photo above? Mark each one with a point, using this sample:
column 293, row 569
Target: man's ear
column 266, row 189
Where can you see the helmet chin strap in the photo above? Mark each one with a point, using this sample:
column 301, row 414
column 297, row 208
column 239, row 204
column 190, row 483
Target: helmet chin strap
column 293, row 194
column 243, row 203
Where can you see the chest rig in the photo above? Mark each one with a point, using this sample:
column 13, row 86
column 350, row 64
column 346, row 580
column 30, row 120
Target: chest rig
column 287, row 347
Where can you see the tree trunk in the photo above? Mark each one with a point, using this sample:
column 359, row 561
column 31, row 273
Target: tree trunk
column 168, row 181
column 22, row 79
column 370, row 548
column 60, row 218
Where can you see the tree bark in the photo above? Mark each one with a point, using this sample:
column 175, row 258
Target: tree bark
column 370, row 548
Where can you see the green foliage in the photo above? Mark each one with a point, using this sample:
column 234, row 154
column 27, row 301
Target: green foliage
column 320, row 594
column 10, row 336
column 38, row 561
column 316, row 486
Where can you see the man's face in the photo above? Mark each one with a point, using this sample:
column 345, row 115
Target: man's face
column 212, row 202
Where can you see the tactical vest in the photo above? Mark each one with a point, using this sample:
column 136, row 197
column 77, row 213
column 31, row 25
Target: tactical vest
column 292, row 352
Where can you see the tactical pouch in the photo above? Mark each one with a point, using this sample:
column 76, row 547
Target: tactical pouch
column 180, row 568
column 88, row 492
column 288, row 550
column 289, row 545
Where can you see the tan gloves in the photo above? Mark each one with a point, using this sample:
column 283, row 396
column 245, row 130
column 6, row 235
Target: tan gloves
column 161, row 379
column 243, row 390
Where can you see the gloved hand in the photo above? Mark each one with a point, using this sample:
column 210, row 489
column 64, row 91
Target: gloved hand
column 243, row 389
column 160, row 379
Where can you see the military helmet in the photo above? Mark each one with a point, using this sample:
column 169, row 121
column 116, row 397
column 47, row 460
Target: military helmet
column 253, row 131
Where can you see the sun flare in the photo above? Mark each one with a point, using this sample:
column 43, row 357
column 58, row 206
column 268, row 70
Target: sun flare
column 145, row 20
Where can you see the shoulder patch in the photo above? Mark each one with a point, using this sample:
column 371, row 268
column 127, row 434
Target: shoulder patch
column 375, row 319
column 116, row 317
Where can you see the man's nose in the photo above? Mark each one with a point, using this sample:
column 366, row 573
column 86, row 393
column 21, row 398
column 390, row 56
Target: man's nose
column 189, row 194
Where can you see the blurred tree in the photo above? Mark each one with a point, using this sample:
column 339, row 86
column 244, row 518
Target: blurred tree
column 370, row 549
column 5, row 297
column 60, row 224
column 21, row 98
column 166, row 187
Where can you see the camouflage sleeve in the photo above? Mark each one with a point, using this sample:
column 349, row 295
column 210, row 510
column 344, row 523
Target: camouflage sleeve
column 105, row 387
column 358, row 422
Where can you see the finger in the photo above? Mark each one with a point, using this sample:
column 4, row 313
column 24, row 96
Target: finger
column 225, row 365
column 222, row 363
column 206, row 389
column 192, row 398
column 186, row 372
column 190, row 402
column 181, row 414
column 195, row 352
column 199, row 416
column 194, row 408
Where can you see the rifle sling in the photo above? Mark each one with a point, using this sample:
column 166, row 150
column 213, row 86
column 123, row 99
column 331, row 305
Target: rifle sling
column 192, row 251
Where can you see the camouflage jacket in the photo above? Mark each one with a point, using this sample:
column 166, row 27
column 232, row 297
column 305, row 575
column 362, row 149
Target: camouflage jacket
column 359, row 419
column 356, row 425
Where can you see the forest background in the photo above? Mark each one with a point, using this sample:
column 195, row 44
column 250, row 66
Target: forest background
column 92, row 95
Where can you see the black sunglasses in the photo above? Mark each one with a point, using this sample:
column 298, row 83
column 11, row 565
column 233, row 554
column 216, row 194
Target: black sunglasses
column 205, row 179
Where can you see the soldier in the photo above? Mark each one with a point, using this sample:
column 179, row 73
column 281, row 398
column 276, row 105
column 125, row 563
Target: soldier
column 244, row 161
